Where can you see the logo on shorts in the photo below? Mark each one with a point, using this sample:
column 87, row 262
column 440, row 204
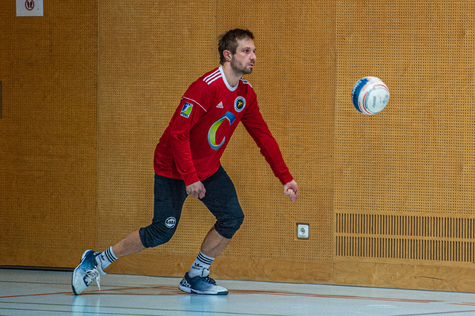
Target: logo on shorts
column 170, row 222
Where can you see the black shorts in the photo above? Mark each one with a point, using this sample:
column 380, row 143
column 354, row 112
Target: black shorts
column 170, row 195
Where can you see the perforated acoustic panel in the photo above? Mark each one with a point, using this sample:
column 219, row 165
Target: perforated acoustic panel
column 48, row 139
column 150, row 54
column 404, row 177
column 295, row 66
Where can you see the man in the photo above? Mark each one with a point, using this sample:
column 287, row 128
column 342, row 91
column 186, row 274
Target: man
column 187, row 162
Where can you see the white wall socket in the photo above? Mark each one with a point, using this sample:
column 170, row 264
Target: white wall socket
column 302, row 231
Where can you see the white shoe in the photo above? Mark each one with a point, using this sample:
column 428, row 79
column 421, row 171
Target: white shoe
column 87, row 271
column 201, row 285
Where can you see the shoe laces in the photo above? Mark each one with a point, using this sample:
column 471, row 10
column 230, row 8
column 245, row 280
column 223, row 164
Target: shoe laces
column 205, row 276
column 209, row 280
column 92, row 275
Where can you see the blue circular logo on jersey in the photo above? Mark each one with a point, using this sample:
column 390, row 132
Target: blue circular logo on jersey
column 239, row 104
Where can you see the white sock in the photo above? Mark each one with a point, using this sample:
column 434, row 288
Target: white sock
column 201, row 263
column 106, row 258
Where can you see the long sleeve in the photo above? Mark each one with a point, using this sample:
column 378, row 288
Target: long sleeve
column 259, row 131
column 180, row 131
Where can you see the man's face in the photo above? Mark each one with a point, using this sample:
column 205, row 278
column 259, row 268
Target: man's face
column 243, row 61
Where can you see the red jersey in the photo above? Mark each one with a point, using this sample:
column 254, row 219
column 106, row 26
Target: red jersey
column 209, row 112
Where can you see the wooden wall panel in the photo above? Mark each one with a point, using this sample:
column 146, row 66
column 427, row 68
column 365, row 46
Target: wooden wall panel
column 404, row 204
column 387, row 197
column 144, row 72
column 404, row 275
column 149, row 54
column 48, row 70
column 416, row 156
column 295, row 63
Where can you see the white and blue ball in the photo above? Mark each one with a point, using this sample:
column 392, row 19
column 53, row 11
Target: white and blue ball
column 370, row 95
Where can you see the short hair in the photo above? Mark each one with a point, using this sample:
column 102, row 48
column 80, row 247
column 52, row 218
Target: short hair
column 229, row 41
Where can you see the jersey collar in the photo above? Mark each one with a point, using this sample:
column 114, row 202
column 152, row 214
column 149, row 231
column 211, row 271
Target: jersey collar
column 226, row 81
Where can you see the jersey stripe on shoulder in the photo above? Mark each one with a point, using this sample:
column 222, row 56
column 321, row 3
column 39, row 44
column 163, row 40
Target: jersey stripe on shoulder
column 195, row 103
column 244, row 81
column 212, row 77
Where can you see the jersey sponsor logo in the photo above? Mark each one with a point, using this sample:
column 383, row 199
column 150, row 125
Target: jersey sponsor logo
column 214, row 129
column 170, row 222
column 186, row 110
column 239, row 104
column 220, row 105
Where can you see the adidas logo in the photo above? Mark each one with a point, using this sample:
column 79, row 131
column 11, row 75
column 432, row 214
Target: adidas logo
column 220, row 105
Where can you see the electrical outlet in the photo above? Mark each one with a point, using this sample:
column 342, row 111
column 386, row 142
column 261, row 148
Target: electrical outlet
column 302, row 231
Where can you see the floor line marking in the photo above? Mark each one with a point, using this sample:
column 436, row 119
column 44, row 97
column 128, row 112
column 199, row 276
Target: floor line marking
column 79, row 306
column 176, row 291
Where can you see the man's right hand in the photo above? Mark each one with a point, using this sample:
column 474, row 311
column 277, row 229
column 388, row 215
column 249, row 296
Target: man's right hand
column 196, row 190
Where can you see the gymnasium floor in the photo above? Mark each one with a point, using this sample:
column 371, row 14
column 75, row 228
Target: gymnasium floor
column 33, row 292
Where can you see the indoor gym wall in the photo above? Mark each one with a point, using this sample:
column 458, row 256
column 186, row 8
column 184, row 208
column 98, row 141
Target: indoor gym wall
column 48, row 134
column 404, row 179
column 172, row 44
column 387, row 197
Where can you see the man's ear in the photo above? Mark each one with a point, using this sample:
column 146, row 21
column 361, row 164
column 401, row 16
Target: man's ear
column 227, row 55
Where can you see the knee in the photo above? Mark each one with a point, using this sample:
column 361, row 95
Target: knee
column 228, row 227
column 155, row 235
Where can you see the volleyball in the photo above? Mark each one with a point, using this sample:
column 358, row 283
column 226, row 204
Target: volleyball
column 370, row 95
